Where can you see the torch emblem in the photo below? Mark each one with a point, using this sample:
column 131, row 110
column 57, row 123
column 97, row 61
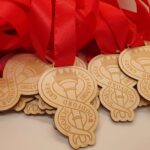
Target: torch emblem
column 67, row 90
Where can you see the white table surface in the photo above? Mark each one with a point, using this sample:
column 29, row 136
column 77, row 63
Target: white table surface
column 20, row 132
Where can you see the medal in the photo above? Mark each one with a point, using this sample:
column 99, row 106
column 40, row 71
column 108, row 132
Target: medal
column 71, row 90
column 117, row 93
column 136, row 64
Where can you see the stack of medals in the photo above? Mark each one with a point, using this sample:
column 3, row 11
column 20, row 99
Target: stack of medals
column 72, row 95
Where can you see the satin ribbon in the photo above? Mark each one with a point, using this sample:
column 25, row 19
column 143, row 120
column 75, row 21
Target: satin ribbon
column 111, row 2
column 31, row 21
column 25, row 26
column 141, row 19
column 75, row 24
column 40, row 18
column 147, row 3
column 60, row 29
column 115, row 31
column 32, row 28
column 19, row 24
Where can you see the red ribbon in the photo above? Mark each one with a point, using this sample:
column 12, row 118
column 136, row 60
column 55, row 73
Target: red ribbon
column 115, row 31
column 31, row 22
column 19, row 25
column 40, row 18
column 64, row 32
column 111, row 2
column 141, row 19
column 147, row 3
column 59, row 29
column 25, row 24
column 74, row 27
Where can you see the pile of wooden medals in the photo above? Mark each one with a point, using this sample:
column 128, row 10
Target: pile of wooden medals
column 72, row 95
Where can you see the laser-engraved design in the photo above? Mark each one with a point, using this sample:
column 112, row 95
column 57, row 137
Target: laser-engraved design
column 9, row 95
column 136, row 64
column 117, row 93
column 20, row 77
column 80, row 63
column 32, row 108
column 96, row 102
column 22, row 103
column 42, row 104
column 23, row 72
column 26, row 69
column 71, row 90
